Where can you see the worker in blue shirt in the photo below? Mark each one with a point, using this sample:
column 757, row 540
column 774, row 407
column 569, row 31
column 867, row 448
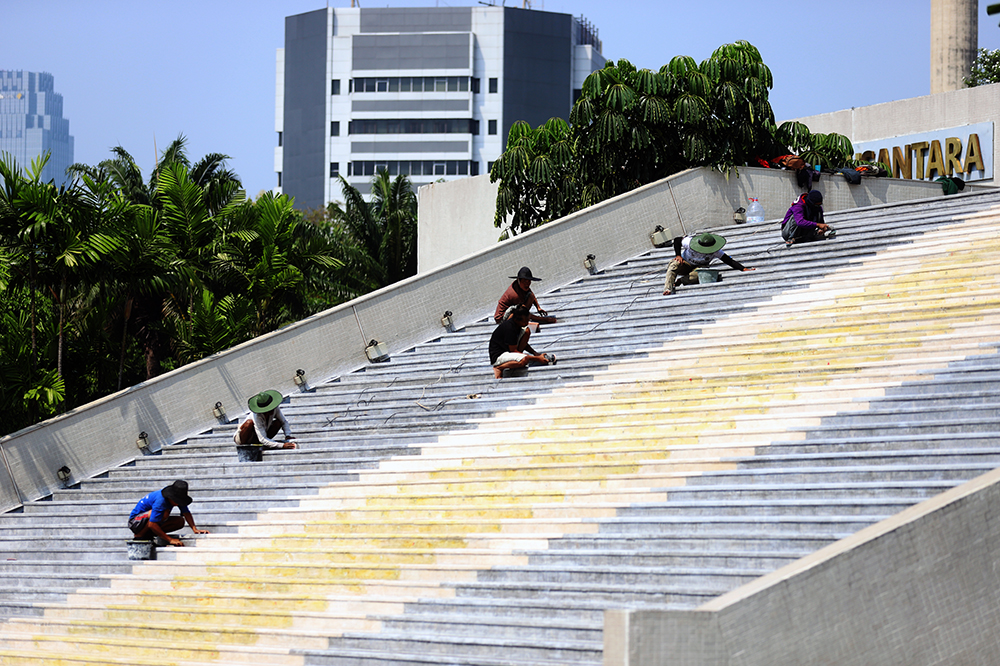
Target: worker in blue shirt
column 151, row 516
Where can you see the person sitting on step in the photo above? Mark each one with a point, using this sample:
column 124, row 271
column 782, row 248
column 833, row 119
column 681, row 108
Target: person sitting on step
column 151, row 516
column 696, row 252
column 509, row 346
column 519, row 293
column 803, row 222
column 263, row 423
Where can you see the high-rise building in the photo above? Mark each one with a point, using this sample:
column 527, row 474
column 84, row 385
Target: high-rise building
column 428, row 92
column 32, row 123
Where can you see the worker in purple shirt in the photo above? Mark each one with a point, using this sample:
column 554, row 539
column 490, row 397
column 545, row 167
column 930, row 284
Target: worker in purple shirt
column 151, row 516
column 804, row 223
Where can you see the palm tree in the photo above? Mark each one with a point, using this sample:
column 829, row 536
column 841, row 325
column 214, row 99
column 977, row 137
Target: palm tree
column 377, row 239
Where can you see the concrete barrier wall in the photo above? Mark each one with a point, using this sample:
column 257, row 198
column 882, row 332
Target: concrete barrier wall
column 922, row 587
column 101, row 435
column 456, row 217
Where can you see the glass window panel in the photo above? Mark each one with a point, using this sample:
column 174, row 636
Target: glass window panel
column 463, row 168
column 452, row 84
column 441, row 85
column 394, row 85
column 404, row 84
column 452, row 166
column 381, row 85
column 439, row 169
column 463, row 83
column 428, row 84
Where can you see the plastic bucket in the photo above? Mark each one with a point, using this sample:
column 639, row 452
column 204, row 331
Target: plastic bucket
column 707, row 275
column 141, row 550
column 249, row 453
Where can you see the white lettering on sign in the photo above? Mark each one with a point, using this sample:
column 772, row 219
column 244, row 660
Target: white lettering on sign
column 964, row 152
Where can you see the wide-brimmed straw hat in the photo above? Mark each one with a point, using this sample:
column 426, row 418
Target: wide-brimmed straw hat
column 707, row 243
column 264, row 401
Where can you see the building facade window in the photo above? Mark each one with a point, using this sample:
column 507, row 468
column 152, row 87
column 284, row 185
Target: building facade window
column 279, row 179
column 494, row 86
column 335, row 86
column 280, row 139
column 412, row 126
column 334, row 128
column 414, row 167
column 492, row 127
column 334, row 169
column 412, row 84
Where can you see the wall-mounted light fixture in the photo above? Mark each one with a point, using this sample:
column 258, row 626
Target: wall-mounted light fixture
column 740, row 215
column 219, row 411
column 448, row 322
column 143, row 441
column 590, row 263
column 300, row 377
column 659, row 237
column 64, row 473
column 377, row 352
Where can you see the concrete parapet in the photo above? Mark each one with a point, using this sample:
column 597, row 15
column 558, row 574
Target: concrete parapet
column 920, row 587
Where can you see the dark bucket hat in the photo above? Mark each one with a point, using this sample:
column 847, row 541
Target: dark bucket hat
column 177, row 492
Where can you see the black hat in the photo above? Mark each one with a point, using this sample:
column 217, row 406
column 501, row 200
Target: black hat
column 525, row 274
column 177, row 492
column 815, row 197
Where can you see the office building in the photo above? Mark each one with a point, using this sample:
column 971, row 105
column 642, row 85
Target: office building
column 427, row 92
column 32, row 123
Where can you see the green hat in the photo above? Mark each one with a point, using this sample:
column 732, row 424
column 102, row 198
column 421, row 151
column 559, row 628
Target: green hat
column 264, row 402
column 707, row 243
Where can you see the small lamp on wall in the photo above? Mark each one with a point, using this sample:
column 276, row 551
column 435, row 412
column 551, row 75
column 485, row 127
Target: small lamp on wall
column 143, row 441
column 64, row 473
column 659, row 237
column 740, row 215
column 377, row 352
column 590, row 263
column 300, row 377
column 448, row 322
column 219, row 411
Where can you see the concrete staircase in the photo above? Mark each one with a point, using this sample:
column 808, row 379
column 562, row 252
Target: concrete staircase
column 682, row 446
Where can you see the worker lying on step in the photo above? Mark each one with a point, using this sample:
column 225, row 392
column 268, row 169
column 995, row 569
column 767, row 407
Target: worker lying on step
column 697, row 252
column 509, row 346
column 151, row 516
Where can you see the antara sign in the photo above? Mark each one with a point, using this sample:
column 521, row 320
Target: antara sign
column 965, row 152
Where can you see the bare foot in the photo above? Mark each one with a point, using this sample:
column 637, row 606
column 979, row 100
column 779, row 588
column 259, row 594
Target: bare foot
column 498, row 373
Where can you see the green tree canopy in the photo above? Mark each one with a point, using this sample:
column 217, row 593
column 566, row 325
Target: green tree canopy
column 635, row 126
column 116, row 278
column 985, row 69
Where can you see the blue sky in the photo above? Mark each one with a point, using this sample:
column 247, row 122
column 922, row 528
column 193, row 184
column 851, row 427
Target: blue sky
column 138, row 73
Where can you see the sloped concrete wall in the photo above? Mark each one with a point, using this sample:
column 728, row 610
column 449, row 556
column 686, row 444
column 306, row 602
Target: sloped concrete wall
column 174, row 406
column 455, row 219
column 922, row 587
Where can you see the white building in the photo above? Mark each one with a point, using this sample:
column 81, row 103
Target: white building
column 31, row 123
column 427, row 92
